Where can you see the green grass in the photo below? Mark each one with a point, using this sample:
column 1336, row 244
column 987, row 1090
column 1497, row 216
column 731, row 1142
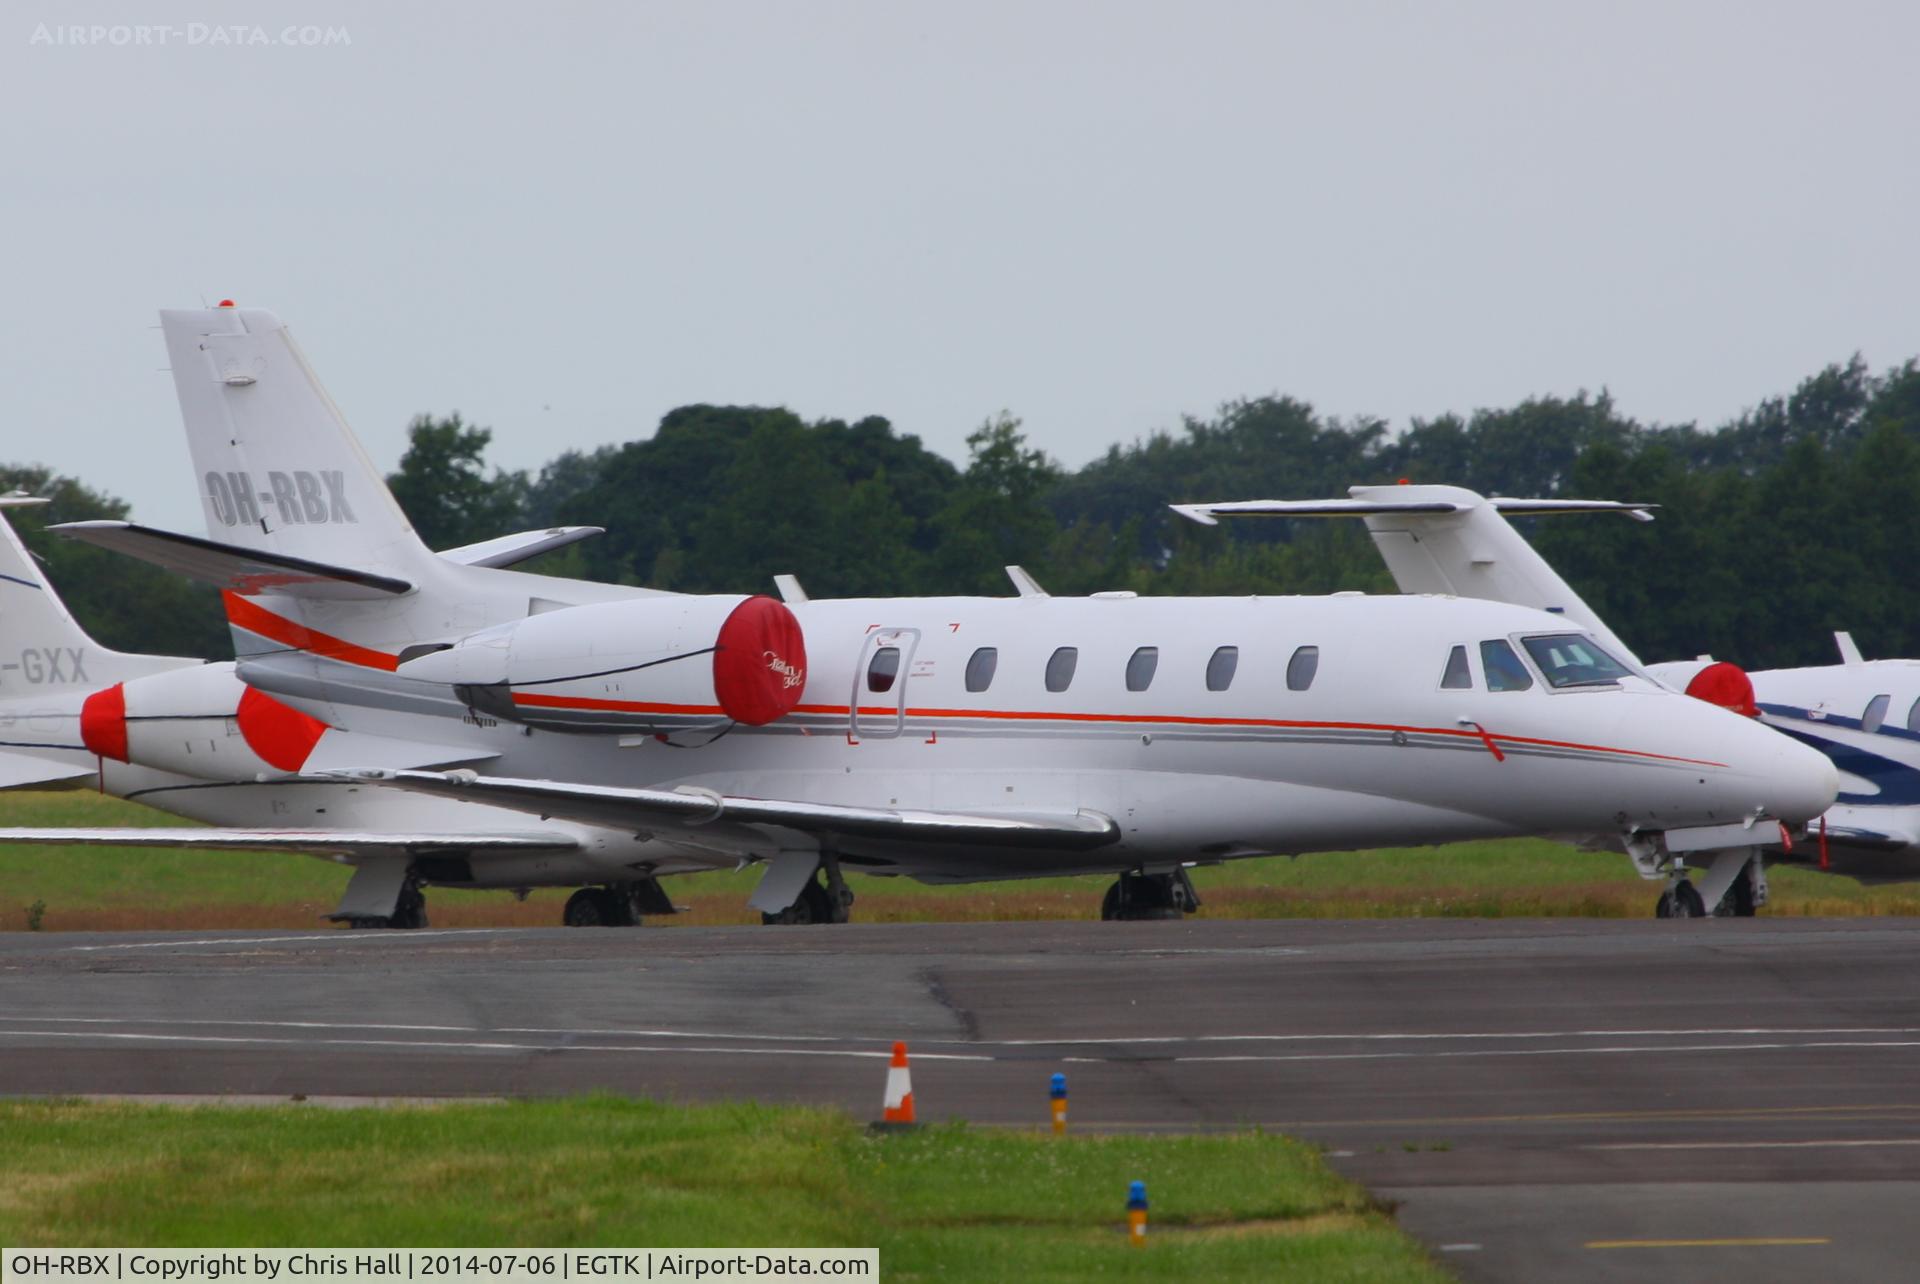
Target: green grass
column 952, row 1202
column 105, row 888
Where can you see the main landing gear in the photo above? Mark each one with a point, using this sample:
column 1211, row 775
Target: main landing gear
column 409, row 911
column 617, row 904
column 1738, row 897
column 818, row 902
column 1145, row 896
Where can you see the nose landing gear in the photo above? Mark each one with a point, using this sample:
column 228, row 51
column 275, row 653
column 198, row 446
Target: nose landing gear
column 1133, row 897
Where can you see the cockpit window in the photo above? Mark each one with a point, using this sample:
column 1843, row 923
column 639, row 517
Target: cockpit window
column 1458, row 677
column 1913, row 718
column 1505, row 672
column 1574, row 660
column 1876, row 713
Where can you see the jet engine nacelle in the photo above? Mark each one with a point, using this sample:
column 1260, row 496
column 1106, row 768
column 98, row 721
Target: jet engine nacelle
column 201, row 722
column 652, row 665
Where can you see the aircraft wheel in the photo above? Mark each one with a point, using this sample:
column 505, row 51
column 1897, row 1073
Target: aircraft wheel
column 1137, row 897
column 1683, row 901
column 591, row 907
column 814, row 905
column 411, row 912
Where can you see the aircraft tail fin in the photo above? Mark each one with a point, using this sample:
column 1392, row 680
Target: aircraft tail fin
column 1446, row 539
column 278, row 469
column 43, row 649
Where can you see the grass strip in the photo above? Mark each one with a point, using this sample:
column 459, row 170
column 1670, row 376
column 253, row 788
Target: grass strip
column 951, row 1202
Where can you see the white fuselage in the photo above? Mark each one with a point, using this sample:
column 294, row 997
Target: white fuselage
column 1374, row 750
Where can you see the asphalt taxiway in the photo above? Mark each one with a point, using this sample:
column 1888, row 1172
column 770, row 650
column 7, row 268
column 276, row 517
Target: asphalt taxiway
column 1566, row 1099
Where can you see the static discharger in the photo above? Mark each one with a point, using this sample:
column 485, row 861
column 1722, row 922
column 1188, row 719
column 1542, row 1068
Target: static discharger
column 1137, row 1213
column 1057, row 1094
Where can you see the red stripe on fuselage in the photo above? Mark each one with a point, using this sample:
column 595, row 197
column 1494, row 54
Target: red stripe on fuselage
column 1035, row 715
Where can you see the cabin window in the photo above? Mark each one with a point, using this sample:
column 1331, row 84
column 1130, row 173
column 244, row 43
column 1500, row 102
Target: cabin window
column 1140, row 668
column 1301, row 668
column 1574, row 660
column 1458, row 677
column 1227, row 658
column 1503, row 667
column 1913, row 718
column 1876, row 713
column 1060, row 666
column 980, row 667
column 883, row 669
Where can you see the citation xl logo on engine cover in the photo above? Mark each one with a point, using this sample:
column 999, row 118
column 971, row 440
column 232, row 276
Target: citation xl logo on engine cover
column 790, row 675
column 298, row 497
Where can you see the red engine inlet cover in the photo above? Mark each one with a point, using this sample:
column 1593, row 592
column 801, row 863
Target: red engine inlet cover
column 103, row 722
column 1726, row 685
column 759, row 662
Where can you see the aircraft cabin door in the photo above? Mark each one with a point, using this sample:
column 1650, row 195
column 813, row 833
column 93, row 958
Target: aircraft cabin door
column 878, row 707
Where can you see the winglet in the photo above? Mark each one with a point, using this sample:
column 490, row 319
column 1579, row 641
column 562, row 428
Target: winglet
column 790, row 591
column 1849, row 650
column 1023, row 583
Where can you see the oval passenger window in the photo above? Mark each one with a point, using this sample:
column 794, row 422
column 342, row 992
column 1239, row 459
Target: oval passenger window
column 1060, row 666
column 1140, row 668
column 980, row 667
column 1227, row 658
column 883, row 669
column 1301, row 668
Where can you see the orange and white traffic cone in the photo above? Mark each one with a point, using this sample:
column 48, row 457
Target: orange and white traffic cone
column 898, row 1107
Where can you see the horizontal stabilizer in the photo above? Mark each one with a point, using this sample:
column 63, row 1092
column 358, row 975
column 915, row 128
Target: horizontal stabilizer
column 237, row 570
column 313, row 842
column 510, row 549
column 630, row 808
column 18, row 770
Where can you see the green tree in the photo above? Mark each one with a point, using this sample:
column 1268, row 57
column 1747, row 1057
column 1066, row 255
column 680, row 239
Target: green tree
column 445, row 490
column 125, row 604
column 997, row 516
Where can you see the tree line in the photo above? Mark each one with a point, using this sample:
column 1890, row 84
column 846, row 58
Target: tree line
column 1796, row 518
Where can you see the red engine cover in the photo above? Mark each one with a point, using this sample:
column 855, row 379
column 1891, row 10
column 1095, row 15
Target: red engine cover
column 103, row 722
column 282, row 736
column 1726, row 685
column 759, row 662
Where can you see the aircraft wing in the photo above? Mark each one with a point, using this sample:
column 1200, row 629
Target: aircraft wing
column 311, row 842
column 1209, row 514
column 238, row 570
column 632, row 809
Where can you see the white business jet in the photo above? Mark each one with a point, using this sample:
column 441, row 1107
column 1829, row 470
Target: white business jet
column 1865, row 716
column 948, row 739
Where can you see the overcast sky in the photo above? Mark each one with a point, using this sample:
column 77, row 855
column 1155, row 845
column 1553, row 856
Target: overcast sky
column 563, row 220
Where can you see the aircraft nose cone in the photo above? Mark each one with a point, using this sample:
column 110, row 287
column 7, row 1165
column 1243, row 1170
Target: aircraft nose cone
column 1799, row 781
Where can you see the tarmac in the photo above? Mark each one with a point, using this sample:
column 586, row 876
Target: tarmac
column 1573, row 1099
